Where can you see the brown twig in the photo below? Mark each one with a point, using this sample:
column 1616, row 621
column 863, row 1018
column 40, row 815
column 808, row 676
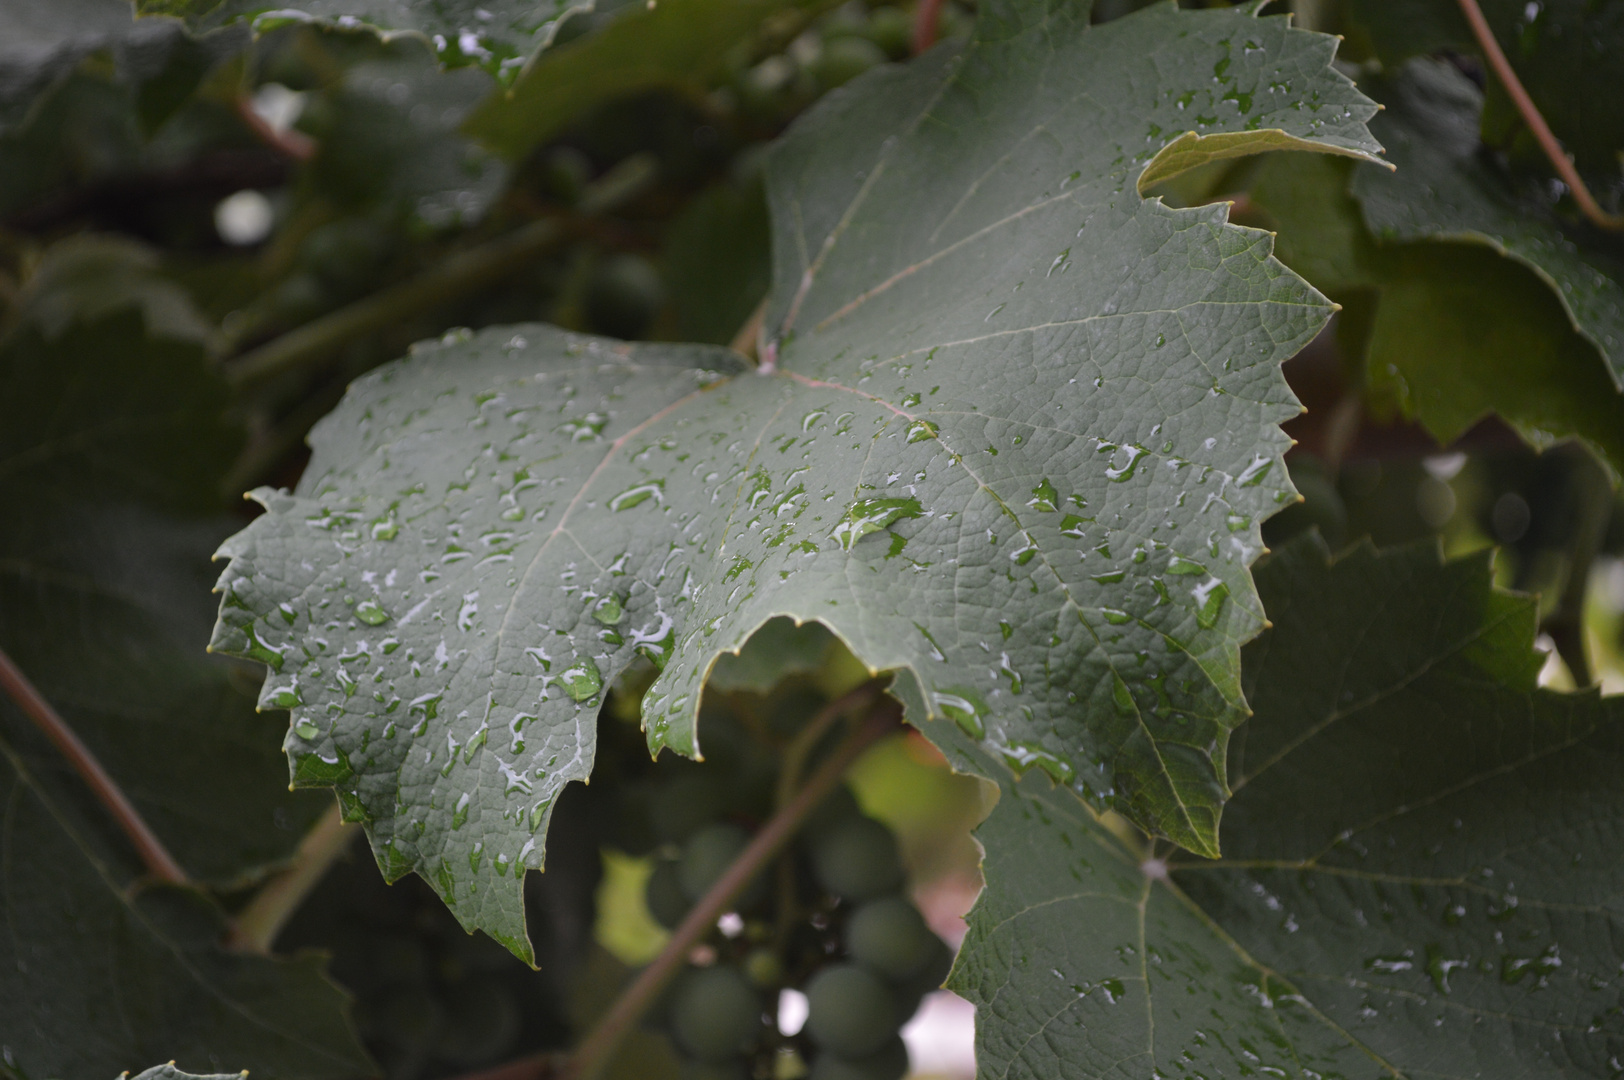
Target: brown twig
column 926, row 18
column 290, row 143
column 159, row 862
column 598, row 1047
column 1536, row 123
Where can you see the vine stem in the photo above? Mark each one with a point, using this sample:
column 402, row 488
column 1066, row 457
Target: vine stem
column 1536, row 123
column 263, row 917
column 595, row 1051
column 446, row 280
column 289, row 143
column 159, row 862
column 926, row 18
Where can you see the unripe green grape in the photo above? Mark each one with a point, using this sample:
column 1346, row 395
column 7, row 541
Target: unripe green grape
column 663, row 894
column 715, row 1014
column 858, row 861
column 706, row 857
column 850, row 1012
column 890, row 937
column 737, row 1069
column 845, row 58
column 929, row 978
column 764, row 967
column 891, row 29
column 890, row 1062
column 837, row 809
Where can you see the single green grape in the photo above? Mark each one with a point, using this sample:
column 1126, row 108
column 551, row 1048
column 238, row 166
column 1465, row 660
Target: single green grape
column 928, row 978
column 736, row 1069
column 890, row 1062
column 706, row 857
column 890, row 937
column 858, row 860
column 845, row 58
column 715, row 1014
column 837, row 809
column 764, row 967
column 664, row 896
column 850, row 1012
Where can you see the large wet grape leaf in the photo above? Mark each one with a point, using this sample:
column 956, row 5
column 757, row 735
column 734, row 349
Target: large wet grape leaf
column 1019, row 443
column 1459, row 330
column 1419, row 877
column 1446, row 188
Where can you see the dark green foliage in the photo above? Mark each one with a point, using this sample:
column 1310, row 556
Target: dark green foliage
column 1009, row 432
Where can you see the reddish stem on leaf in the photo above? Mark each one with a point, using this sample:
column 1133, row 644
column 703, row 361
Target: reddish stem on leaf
column 926, row 17
column 1536, row 123
column 159, row 862
column 290, row 143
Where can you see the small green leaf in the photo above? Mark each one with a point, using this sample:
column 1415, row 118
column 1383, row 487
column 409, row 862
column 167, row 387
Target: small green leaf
column 683, row 43
column 1459, row 330
column 1418, row 866
column 1444, row 189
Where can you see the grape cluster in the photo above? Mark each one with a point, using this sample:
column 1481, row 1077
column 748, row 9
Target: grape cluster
column 830, row 918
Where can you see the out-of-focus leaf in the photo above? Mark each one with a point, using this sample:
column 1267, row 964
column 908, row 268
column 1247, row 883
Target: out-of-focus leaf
column 718, row 261
column 94, row 980
column 1459, row 330
column 391, row 136
column 779, row 649
column 1418, row 876
column 1569, row 55
column 672, row 43
column 42, row 43
column 87, row 278
column 111, row 448
column 1019, row 447
column 1445, row 189
column 498, row 35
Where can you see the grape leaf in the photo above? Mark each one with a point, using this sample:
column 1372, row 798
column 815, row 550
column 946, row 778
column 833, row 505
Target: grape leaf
column 1019, row 444
column 1418, row 876
column 392, row 137
column 41, row 44
column 95, row 979
column 498, row 35
column 673, row 43
column 1459, row 331
column 1567, row 54
column 1444, row 189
